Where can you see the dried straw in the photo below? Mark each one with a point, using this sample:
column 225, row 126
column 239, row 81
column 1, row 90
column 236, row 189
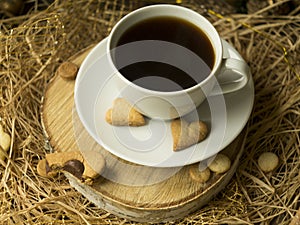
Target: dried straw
column 31, row 52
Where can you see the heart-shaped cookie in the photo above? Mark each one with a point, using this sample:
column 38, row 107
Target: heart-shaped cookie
column 186, row 134
column 123, row 113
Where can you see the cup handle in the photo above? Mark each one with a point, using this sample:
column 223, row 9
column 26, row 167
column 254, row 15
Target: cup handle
column 233, row 76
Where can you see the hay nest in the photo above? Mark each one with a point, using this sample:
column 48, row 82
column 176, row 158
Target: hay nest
column 32, row 46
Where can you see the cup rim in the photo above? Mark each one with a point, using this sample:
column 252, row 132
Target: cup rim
column 168, row 6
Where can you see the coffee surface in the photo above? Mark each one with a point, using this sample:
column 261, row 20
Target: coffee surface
column 161, row 76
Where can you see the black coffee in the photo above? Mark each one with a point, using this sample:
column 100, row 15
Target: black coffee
column 161, row 76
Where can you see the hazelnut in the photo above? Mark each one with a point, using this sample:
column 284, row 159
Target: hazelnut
column 198, row 173
column 268, row 161
column 220, row 164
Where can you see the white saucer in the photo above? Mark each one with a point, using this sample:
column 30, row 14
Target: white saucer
column 151, row 145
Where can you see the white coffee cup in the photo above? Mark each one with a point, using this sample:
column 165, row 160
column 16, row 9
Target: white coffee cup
column 172, row 104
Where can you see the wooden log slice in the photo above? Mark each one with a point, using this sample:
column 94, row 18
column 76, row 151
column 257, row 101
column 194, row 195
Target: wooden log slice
column 135, row 192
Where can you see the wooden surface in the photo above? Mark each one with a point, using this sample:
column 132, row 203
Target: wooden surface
column 125, row 189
